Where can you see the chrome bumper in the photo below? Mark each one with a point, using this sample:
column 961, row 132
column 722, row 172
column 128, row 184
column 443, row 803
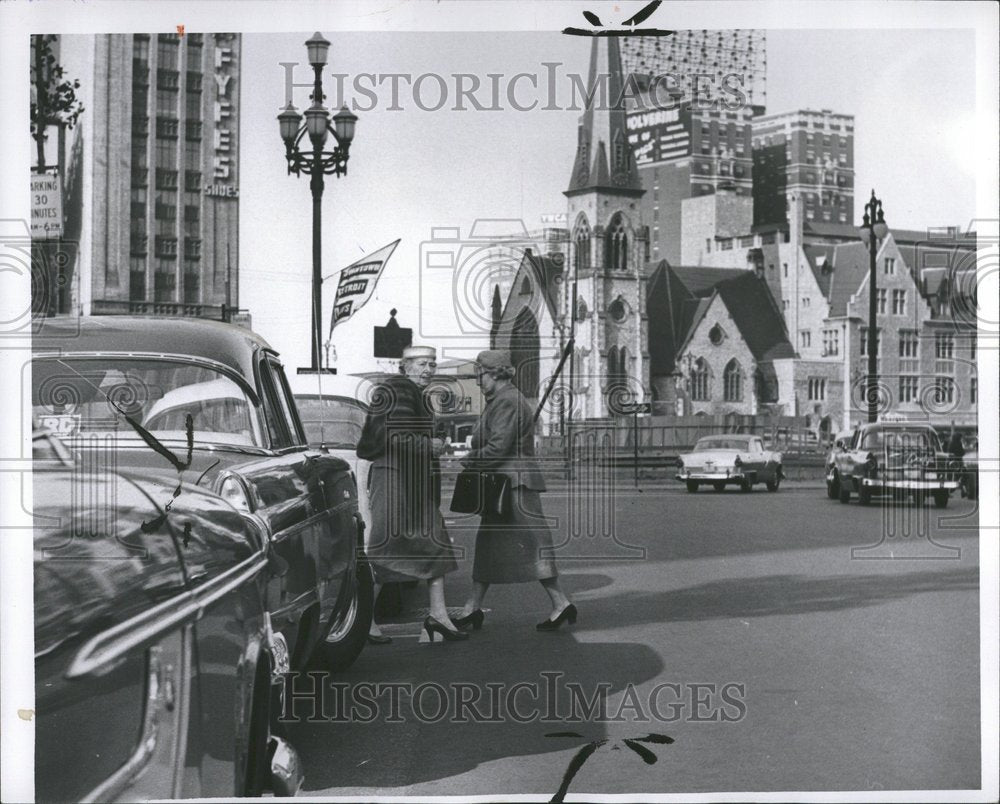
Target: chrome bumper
column 709, row 477
column 910, row 485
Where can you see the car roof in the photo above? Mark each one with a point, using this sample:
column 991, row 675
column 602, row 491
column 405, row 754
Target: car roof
column 232, row 346
column 729, row 437
column 322, row 384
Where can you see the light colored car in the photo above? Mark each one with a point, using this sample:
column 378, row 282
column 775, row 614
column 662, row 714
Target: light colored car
column 731, row 459
column 333, row 408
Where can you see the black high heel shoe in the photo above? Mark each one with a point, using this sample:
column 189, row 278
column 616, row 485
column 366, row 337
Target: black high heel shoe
column 568, row 614
column 432, row 627
column 475, row 620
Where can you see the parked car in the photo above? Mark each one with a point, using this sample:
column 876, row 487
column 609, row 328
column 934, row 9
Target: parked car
column 333, row 408
column 898, row 459
column 158, row 673
column 721, row 460
column 198, row 401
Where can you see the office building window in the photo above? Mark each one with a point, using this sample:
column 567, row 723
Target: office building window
column 805, row 301
column 881, row 300
column 784, row 305
column 831, row 342
column 890, row 266
column 784, row 269
column 805, row 339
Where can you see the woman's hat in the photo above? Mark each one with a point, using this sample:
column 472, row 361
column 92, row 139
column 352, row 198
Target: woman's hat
column 414, row 352
column 493, row 359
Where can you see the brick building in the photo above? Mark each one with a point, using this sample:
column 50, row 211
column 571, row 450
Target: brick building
column 810, row 154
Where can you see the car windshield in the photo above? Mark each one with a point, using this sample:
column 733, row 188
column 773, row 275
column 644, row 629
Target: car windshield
column 715, row 442
column 895, row 440
column 76, row 396
column 335, row 421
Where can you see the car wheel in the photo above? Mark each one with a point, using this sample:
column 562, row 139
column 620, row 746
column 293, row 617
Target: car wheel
column 719, row 485
column 349, row 625
column 772, row 485
column 692, row 486
column 833, row 487
column 865, row 495
column 941, row 498
column 845, row 491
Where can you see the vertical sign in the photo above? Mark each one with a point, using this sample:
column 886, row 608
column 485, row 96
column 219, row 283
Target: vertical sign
column 46, row 206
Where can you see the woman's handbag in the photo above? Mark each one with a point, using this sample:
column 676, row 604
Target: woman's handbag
column 467, row 497
column 481, row 493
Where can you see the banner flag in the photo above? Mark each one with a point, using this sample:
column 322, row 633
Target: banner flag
column 357, row 284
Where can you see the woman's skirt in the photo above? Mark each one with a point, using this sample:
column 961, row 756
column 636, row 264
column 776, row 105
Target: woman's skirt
column 517, row 549
column 408, row 538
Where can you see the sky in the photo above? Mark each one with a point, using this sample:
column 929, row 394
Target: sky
column 912, row 93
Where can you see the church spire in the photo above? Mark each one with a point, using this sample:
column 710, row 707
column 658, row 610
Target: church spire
column 604, row 159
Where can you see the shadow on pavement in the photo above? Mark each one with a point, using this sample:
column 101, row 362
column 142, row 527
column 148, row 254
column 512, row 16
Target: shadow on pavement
column 774, row 595
column 507, row 652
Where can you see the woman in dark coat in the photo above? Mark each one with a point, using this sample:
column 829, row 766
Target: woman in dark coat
column 409, row 539
column 516, row 548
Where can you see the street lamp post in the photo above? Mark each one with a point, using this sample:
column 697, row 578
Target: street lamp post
column 872, row 229
column 316, row 164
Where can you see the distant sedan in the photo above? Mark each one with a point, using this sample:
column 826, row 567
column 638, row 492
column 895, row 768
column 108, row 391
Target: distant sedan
column 721, row 460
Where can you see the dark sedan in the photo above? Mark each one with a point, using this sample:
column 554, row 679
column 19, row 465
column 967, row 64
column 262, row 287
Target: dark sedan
column 206, row 403
column 157, row 671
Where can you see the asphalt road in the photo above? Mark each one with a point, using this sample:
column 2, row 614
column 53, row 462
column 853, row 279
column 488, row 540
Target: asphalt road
column 767, row 642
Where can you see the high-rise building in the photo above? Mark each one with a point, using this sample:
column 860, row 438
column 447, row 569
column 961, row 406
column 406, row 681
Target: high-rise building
column 711, row 54
column 691, row 130
column 805, row 152
column 156, row 155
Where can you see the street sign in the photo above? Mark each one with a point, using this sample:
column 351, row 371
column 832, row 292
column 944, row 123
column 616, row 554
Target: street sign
column 636, row 408
column 46, row 206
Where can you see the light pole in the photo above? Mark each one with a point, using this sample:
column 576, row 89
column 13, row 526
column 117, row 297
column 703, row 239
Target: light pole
column 872, row 229
column 316, row 164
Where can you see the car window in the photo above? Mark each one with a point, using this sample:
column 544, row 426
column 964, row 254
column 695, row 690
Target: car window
column 283, row 419
column 716, row 442
column 756, row 446
column 74, row 396
column 335, row 421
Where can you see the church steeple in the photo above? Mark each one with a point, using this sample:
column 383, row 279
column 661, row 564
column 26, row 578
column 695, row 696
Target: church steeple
column 604, row 159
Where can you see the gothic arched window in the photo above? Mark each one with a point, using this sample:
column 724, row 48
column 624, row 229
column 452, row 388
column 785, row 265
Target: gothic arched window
column 701, row 381
column 616, row 245
column 732, row 382
column 581, row 238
